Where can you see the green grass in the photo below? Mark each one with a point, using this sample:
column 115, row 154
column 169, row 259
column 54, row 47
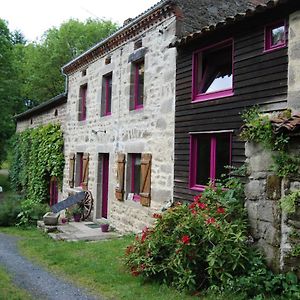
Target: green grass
column 95, row 265
column 8, row 290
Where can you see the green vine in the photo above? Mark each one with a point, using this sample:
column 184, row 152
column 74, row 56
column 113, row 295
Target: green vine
column 258, row 128
column 37, row 155
column 288, row 203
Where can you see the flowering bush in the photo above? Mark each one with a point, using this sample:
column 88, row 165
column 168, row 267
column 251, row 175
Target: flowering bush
column 196, row 245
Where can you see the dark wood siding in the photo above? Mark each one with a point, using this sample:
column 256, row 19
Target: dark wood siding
column 259, row 78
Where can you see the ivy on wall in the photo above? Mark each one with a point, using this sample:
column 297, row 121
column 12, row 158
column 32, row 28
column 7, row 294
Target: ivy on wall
column 37, row 155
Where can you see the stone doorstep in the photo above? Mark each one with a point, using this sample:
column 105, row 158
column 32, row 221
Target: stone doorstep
column 79, row 231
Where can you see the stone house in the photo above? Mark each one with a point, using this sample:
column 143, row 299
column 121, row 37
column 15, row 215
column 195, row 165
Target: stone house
column 119, row 131
column 250, row 58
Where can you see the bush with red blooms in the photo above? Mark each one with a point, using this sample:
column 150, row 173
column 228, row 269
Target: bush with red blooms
column 193, row 246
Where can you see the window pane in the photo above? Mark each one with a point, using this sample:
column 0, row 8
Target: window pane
column 202, row 162
column 137, row 173
column 216, row 70
column 222, row 154
column 108, row 95
column 140, row 83
column 277, row 36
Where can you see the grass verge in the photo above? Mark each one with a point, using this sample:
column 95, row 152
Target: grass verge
column 8, row 290
column 95, row 265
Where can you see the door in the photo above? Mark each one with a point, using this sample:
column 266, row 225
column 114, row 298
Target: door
column 105, row 178
column 53, row 191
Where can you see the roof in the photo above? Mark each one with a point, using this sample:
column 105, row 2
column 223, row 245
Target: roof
column 230, row 20
column 191, row 14
column 283, row 124
column 52, row 103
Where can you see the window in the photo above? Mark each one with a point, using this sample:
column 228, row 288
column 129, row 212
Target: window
column 138, row 44
column 134, row 173
column 106, row 95
column 82, row 103
column 210, row 154
column 275, row 36
column 213, row 72
column 107, row 60
column 79, row 169
column 137, row 90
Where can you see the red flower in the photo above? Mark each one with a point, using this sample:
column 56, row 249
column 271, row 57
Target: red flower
column 192, row 205
column 144, row 234
column 186, row 239
column 157, row 216
column 193, row 211
column 210, row 221
column 134, row 272
column 221, row 210
column 202, row 205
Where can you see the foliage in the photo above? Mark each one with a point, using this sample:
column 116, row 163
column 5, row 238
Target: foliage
column 10, row 207
column 192, row 247
column 258, row 128
column 4, row 183
column 288, row 202
column 41, row 66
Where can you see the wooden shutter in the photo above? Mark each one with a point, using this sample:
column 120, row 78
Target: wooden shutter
column 145, row 191
column 71, row 169
column 120, row 177
column 85, row 170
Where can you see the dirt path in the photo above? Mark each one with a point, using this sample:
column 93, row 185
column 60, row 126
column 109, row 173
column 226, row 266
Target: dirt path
column 37, row 281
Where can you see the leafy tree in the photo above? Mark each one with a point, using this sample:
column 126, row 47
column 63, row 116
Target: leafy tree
column 42, row 78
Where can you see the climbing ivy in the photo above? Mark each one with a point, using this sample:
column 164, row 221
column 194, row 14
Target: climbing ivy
column 37, row 155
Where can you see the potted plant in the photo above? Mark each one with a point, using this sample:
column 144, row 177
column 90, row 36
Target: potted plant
column 77, row 212
column 104, row 225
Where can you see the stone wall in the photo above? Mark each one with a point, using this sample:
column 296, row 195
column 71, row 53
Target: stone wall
column 270, row 227
column 53, row 115
column 148, row 130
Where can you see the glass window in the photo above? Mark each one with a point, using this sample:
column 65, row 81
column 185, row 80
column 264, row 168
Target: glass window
column 82, row 103
column 275, row 36
column 213, row 75
column 210, row 154
column 106, row 95
column 137, row 85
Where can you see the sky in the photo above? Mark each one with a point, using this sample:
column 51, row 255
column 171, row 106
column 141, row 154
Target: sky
column 34, row 17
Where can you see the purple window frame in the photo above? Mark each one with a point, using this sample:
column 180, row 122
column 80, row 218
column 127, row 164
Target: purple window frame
column 80, row 157
column 196, row 96
column 136, row 197
column 83, row 93
column 194, row 154
column 108, row 96
column 136, row 84
column 268, row 35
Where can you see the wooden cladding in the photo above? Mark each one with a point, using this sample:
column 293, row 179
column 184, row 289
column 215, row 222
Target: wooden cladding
column 85, row 171
column 145, row 192
column 71, row 169
column 120, row 177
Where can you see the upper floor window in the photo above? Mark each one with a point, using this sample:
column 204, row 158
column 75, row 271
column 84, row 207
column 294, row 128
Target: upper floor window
column 106, row 95
column 137, row 86
column 210, row 154
column 82, row 103
column 275, row 35
column 213, row 72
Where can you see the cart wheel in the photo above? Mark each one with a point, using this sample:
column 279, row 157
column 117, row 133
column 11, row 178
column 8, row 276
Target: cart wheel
column 86, row 205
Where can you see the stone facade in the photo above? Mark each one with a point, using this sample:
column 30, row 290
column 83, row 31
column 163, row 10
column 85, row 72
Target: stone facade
column 147, row 130
column 270, row 227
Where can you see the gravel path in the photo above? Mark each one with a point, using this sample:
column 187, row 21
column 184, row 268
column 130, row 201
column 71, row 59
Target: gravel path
column 38, row 282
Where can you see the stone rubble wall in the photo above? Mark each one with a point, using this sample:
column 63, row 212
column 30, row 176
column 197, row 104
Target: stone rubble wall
column 148, row 130
column 44, row 118
column 270, row 227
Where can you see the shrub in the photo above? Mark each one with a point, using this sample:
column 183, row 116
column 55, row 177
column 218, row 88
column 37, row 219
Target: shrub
column 10, row 207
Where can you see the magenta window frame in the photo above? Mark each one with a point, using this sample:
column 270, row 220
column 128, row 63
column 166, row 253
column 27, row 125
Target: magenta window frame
column 268, row 35
column 80, row 168
column 196, row 96
column 136, row 197
column 108, row 96
column 83, row 93
column 136, row 86
column 194, row 154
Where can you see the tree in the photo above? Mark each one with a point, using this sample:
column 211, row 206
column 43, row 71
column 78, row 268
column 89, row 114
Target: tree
column 42, row 78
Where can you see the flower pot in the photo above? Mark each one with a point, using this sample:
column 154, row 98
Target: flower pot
column 77, row 217
column 104, row 227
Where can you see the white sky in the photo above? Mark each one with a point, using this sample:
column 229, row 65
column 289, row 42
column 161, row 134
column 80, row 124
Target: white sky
column 34, row 17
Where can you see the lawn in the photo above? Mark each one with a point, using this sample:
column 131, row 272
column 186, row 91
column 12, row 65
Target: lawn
column 8, row 290
column 95, row 265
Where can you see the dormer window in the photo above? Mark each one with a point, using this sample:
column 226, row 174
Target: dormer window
column 275, row 36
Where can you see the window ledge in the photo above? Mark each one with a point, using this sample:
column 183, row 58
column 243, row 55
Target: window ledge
column 275, row 48
column 199, row 188
column 212, row 96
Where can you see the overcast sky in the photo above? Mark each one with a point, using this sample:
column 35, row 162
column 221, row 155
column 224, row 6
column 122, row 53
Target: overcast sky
column 34, row 17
